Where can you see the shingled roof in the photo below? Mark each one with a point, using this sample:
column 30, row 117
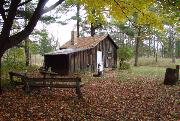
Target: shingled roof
column 65, row 51
column 87, row 42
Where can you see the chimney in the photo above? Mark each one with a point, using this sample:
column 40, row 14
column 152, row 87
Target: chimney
column 73, row 37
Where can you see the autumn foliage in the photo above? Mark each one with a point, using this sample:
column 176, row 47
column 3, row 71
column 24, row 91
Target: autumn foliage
column 104, row 98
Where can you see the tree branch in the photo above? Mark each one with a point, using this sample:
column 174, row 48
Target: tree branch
column 10, row 18
column 133, row 6
column 125, row 14
column 2, row 11
column 39, row 11
column 23, row 3
column 173, row 3
column 17, row 38
column 52, row 6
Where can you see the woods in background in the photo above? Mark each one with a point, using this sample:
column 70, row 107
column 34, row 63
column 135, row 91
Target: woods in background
column 148, row 27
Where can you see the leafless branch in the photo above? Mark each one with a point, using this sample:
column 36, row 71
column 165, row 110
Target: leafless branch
column 10, row 17
column 17, row 38
column 2, row 11
column 23, row 3
column 52, row 6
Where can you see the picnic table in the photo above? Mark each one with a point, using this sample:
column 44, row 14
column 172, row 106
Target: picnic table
column 48, row 79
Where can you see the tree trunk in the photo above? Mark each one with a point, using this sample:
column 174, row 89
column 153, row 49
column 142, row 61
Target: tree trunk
column 92, row 29
column 157, row 52
column 173, row 48
column 149, row 50
column 1, row 73
column 154, row 46
column 6, row 39
column 169, row 47
column 137, row 51
column 78, row 19
column 26, row 48
column 93, row 25
column 137, row 47
column 162, row 52
column 156, row 57
column 14, row 56
column 173, row 53
column 141, row 47
column 121, row 39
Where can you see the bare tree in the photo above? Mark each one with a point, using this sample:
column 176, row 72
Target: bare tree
column 9, row 14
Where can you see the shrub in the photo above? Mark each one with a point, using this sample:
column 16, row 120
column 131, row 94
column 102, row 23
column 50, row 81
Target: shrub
column 124, row 66
column 125, row 53
column 10, row 65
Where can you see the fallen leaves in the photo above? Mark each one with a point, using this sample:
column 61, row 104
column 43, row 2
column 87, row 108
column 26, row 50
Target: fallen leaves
column 139, row 98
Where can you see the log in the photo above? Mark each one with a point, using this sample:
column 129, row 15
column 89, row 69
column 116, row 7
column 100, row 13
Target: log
column 171, row 76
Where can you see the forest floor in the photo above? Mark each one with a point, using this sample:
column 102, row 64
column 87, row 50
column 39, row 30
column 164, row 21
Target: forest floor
column 136, row 94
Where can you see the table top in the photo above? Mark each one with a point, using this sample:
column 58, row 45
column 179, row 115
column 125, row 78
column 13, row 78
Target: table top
column 48, row 72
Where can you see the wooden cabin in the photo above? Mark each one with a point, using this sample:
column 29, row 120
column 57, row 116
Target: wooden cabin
column 83, row 54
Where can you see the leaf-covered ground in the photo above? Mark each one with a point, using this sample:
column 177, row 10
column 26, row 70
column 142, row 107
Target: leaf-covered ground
column 104, row 99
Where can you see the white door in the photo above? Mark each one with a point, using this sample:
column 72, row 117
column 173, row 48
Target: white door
column 99, row 61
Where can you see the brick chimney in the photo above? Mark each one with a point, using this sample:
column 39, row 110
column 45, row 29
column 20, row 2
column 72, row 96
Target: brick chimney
column 73, row 37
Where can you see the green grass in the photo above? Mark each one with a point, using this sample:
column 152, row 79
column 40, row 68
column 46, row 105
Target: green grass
column 162, row 62
column 147, row 71
column 147, row 68
column 142, row 75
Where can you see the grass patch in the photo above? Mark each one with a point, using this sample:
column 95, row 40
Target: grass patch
column 162, row 62
column 147, row 71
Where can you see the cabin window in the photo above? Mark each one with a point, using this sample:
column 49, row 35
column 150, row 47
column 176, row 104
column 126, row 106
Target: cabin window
column 109, row 55
column 109, row 52
column 100, row 47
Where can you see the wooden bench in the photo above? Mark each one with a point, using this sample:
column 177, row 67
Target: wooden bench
column 52, row 82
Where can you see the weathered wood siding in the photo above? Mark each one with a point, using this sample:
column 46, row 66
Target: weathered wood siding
column 81, row 61
column 109, row 51
column 86, row 60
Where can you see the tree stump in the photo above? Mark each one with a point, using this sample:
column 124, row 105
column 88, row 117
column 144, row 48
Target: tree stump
column 171, row 76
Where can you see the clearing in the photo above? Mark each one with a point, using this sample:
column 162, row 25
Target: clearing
column 136, row 94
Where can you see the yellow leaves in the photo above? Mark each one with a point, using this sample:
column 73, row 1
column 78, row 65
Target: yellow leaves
column 122, row 10
column 94, row 10
column 96, row 16
column 151, row 19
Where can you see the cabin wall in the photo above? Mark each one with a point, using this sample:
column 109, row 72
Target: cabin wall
column 82, row 61
column 109, row 53
column 85, row 60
